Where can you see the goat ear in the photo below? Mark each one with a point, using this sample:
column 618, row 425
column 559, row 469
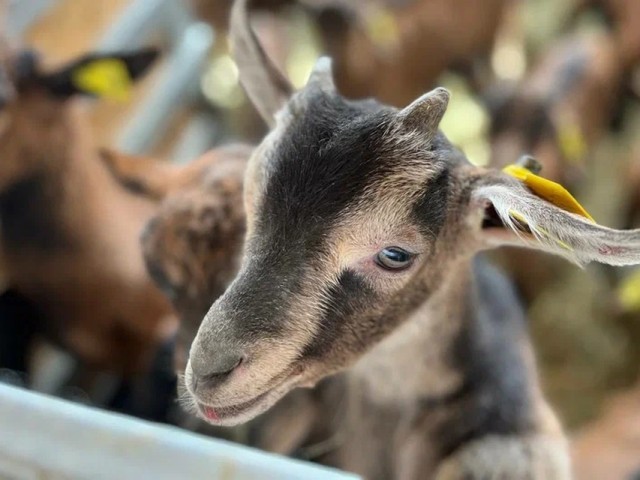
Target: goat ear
column 512, row 215
column 144, row 176
column 267, row 88
column 425, row 114
column 100, row 75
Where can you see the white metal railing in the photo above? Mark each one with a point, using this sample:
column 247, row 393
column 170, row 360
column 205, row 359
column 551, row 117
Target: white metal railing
column 42, row 437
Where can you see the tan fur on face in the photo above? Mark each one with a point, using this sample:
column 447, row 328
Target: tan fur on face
column 381, row 220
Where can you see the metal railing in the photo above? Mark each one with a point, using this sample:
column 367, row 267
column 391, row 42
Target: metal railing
column 42, row 437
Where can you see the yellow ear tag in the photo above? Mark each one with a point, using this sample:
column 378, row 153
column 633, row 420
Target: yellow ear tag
column 552, row 192
column 106, row 77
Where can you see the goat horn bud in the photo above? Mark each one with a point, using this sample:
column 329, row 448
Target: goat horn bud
column 322, row 75
column 425, row 113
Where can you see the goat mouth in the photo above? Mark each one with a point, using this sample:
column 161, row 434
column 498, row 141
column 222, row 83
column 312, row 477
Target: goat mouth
column 225, row 415
column 230, row 415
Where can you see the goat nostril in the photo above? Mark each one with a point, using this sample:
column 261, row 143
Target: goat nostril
column 225, row 371
column 213, row 372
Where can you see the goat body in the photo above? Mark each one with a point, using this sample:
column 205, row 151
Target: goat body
column 362, row 223
column 193, row 243
column 70, row 235
column 406, row 404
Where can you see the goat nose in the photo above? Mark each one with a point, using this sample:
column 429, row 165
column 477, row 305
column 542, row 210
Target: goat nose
column 211, row 370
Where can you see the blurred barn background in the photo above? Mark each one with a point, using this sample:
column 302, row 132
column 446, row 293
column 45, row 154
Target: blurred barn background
column 558, row 79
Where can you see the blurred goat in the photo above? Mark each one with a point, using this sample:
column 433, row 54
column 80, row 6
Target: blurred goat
column 70, row 232
column 624, row 17
column 561, row 108
column 192, row 245
column 390, row 49
column 363, row 221
column 395, row 50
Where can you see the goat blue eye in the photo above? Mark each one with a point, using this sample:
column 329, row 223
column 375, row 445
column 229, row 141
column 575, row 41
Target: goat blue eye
column 394, row 258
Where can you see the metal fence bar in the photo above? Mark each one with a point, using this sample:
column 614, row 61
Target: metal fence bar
column 181, row 77
column 190, row 42
column 199, row 135
column 44, row 437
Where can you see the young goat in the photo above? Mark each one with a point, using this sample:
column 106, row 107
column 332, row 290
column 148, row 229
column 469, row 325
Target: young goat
column 192, row 245
column 70, row 232
column 363, row 222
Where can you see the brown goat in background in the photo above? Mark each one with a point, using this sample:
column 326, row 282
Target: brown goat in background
column 70, row 232
column 192, row 245
column 389, row 49
column 395, row 50
column 561, row 108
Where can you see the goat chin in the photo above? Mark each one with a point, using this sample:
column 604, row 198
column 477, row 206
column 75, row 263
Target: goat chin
column 232, row 415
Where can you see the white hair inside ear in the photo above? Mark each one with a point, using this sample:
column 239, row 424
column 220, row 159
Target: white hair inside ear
column 536, row 223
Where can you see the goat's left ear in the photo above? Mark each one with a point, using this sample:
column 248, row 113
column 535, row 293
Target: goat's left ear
column 511, row 214
column 108, row 75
